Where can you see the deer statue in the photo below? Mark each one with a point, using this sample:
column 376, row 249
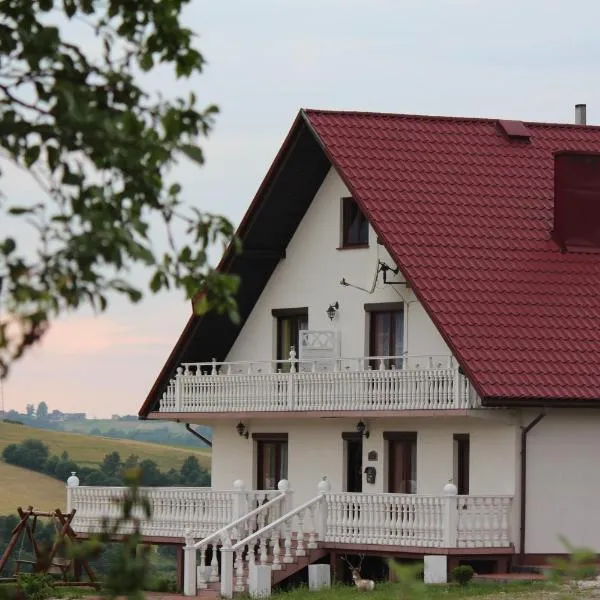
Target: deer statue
column 362, row 585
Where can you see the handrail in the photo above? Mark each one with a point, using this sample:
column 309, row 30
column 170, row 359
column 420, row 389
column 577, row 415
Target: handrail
column 277, row 522
column 296, row 360
column 234, row 524
column 396, row 495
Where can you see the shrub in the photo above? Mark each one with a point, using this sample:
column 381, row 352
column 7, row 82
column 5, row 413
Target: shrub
column 36, row 586
column 580, row 564
column 463, row 574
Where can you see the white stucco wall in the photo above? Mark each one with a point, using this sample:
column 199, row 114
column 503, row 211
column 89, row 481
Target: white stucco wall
column 315, row 448
column 563, row 481
column 310, row 276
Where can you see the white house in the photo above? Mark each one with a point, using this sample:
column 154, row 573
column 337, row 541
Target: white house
column 420, row 306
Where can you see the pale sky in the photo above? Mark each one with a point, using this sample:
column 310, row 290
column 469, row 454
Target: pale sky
column 519, row 59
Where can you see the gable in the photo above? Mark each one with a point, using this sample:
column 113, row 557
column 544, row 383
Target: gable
column 277, row 209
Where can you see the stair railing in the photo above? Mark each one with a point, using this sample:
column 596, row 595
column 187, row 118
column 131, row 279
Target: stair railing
column 309, row 523
column 194, row 576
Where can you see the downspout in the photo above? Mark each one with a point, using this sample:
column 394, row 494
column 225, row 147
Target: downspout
column 524, row 431
column 198, row 435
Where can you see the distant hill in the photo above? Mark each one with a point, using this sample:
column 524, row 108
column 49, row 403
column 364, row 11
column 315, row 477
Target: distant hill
column 119, row 427
column 89, row 451
column 21, row 487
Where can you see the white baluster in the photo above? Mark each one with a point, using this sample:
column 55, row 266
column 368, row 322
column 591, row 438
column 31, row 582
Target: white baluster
column 300, row 551
column 239, row 571
column 214, row 564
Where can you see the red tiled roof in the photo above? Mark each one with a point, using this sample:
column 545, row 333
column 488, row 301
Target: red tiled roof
column 466, row 212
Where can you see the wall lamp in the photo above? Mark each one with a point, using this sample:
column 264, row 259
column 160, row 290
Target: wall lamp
column 332, row 310
column 362, row 430
column 242, row 430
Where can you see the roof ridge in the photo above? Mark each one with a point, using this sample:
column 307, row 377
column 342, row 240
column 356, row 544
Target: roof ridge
column 448, row 118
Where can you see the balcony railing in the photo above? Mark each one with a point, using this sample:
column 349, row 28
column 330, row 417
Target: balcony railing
column 420, row 521
column 175, row 510
column 410, row 520
column 379, row 383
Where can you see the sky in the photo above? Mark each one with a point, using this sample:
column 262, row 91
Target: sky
column 530, row 60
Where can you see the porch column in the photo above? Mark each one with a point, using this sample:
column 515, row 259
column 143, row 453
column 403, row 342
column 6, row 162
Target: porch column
column 324, row 488
column 190, row 587
column 240, row 503
column 450, row 515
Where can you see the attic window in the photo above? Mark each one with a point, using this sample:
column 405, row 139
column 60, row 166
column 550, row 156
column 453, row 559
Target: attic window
column 355, row 227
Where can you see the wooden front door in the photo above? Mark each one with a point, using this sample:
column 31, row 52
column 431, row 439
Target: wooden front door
column 353, row 455
column 271, row 463
column 402, row 463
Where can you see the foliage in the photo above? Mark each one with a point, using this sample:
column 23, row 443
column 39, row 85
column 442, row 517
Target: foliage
column 129, row 571
column 163, row 584
column 33, row 454
column 409, row 585
column 463, row 574
column 100, row 147
column 37, row 586
column 91, row 451
column 581, row 563
column 42, row 411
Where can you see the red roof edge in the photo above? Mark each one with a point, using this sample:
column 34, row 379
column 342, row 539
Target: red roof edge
column 223, row 267
column 432, row 316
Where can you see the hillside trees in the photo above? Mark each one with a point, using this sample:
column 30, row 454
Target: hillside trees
column 35, row 455
column 99, row 145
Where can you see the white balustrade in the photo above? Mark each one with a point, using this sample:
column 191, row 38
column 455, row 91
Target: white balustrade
column 264, row 508
column 484, row 521
column 174, row 509
column 282, row 541
column 361, row 384
column 429, row 521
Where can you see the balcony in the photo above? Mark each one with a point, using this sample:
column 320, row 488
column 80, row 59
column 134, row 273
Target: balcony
column 407, row 520
column 373, row 383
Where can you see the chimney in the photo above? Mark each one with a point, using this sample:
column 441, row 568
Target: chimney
column 580, row 116
column 577, row 201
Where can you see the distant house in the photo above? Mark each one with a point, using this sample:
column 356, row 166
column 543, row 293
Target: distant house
column 75, row 416
column 420, row 305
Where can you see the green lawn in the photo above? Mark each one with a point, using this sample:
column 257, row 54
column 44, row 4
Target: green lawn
column 393, row 591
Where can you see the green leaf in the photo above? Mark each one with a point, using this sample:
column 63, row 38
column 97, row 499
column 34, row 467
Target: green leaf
column 20, row 210
column 31, row 155
column 193, row 153
column 52, row 155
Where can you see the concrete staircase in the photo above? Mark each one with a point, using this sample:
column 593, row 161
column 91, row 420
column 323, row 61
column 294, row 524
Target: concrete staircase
column 213, row 589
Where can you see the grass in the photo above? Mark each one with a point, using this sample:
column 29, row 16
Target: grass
column 393, row 591
column 21, row 487
column 89, row 451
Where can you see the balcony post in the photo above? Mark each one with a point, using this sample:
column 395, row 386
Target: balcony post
column 457, row 388
column 189, row 566
column 179, row 390
column 450, row 516
column 240, row 501
column 291, row 379
column 227, row 570
column 72, row 482
column 288, row 504
column 324, row 488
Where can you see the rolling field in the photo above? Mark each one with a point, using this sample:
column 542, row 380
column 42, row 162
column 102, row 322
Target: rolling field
column 90, row 450
column 21, row 487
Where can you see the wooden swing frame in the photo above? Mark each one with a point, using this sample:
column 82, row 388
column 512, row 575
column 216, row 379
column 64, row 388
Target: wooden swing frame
column 48, row 563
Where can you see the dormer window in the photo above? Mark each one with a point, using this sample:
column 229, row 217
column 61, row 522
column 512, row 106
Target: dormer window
column 355, row 227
